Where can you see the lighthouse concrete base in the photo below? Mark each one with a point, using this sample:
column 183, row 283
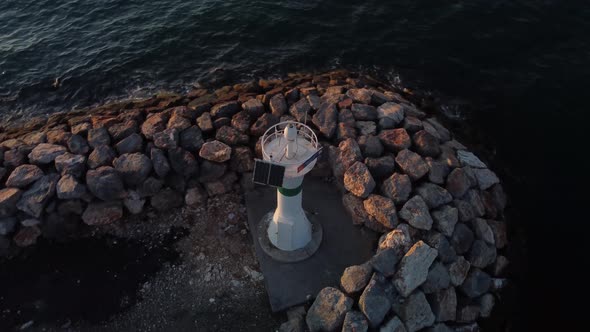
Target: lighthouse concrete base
column 342, row 244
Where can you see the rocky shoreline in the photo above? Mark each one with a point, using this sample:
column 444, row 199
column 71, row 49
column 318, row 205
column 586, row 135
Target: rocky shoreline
column 438, row 265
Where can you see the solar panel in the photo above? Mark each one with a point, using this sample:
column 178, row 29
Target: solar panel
column 268, row 174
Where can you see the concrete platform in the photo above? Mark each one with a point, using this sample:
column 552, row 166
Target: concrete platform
column 343, row 244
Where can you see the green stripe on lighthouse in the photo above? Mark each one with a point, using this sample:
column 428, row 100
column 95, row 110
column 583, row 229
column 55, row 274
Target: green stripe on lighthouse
column 290, row 192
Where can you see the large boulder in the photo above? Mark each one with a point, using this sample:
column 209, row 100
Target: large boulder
column 105, row 183
column 328, row 310
column 446, row 253
column 399, row 240
column 364, row 112
column 326, row 119
column 215, row 151
column 355, row 321
column 102, row 155
column 134, row 168
column 24, row 175
column 393, row 325
column 366, row 127
column 412, row 164
column 73, row 164
column 355, row 208
column 8, row 199
column 225, row 109
column 426, row 144
column 358, row 180
column 191, row 139
column 416, row 313
column 381, row 167
column 211, row 171
column 394, row 113
column 485, row 178
column 300, row 109
column 78, row 145
column 374, row 302
column 154, row 124
column 370, row 146
column 382, row 209
column 160, row 162
column 413, row 269
column 481, row 254
column 70, row 188
column 183, row 162
column 261, row 125
column 458, row 271
column 433, row 195
column 278, row 105
column 205, row 123
column 482, row 230
column 444, row 304
column 241, row 121
column 438, row 279
column 395, row 139
column 499, row 231
column 355, row 278
column 476, row 284
column 167, row 139
column 130, row 144
column 445, row 218
column 415, row 212
column 253, row 107
column 102, row 213
column 469, row 159
column 462, row 238
column 119, row 131
column 98, row 136
column 458, row 182
column 242, row 160
column 33, row 201
column 362, row 96
column 438, row 171
column 385, row 262
column 46, row 153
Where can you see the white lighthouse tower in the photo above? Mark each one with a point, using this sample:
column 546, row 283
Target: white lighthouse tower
column 290, row 150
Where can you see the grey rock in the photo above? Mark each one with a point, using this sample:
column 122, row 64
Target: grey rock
column 362, row 96
column 355, row 321
column 476, row 284
column 391, row 111
column 167, row 199
column 381, row 167
column 33, row 201
column 230, row 135
column 482, row 230
column 261, row 125
column 167, row 139
column 328, row 310
column 45, row 153
column 366, row 127
column 98, row 136
column 499, row 230
column 433, row 195
column 458, row 182
column 204, row 122
column 326, row 119
column 397, row 187
column 500, row 266
column 437, row 171
column 370, row 146
column 464, row 209
column 344, row 131
column 150, row 187
column 378, row 97
column 73, row 164
column 385, row 262
column 413, row 269
column 449, row 157
column 105, row 183
column 462, row 238
column 102, row 213
column 178, row 122
column 215, row 151
column 374, row 302
column 102, row 155
column 412, row 164
column 481, row 254
column 191, row 139
column 345, row 116
column 24, row 175
column 364, row 112
column 445, row 218
column 278, row 105
column 7, row 225
column 469, row 159
column 458, row 271
column 467, row 313
column 358, row 180
column 14, row 158
column 438, row 241
column 35, row 138
column 241, row 121
column 412, row 124
column 399, row 240
column 226, row 109
column 154, row 124
column 133, row 202
column 393, row 325
column 382, row 209
column 160, row 162
column 211, row 171
column 119, row 131
column 443, row 133
column 416, row 313
column 183, row 162
column 355, row 208
column 444, row 304
column 242, row 160
column 485, row 178
column 415, row 212
column 437, row 280
column 130, row 144
column 8, row 199
column 395, row 140
column 355, row 278
column 426, row 144
column 134, row 168
column 69, row 188
column 300, row 110
column 78, row 145
column 486, row 304
column 253, row 107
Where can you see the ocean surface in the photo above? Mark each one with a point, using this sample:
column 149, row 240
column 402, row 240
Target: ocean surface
column 515, row 73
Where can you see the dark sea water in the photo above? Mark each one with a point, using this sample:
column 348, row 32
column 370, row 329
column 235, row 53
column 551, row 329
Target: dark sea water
column 514, row 73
